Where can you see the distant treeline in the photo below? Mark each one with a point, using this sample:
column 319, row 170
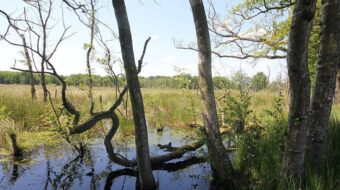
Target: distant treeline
column 257, row 82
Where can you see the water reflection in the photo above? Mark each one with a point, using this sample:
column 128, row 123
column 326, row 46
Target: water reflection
column 169, row 167
column 61, row 168
column 15, row 173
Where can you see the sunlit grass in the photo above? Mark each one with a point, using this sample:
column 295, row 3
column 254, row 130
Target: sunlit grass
column 173, row 108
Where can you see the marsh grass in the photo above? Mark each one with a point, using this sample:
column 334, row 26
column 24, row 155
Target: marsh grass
column 262, row 145
column 266, row 152
column 174, row 108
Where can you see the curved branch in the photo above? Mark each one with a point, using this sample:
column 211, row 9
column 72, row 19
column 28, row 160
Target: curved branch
column 243, row 56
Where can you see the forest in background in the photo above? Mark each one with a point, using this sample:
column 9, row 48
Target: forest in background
column 258, row 82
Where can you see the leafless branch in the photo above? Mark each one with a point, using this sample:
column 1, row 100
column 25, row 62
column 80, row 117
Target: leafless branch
column 140, row 61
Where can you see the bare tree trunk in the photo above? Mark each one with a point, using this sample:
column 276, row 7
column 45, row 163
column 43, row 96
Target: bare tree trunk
column 17, row 152
column 141, row 133
column 297, row 60
column 30, row 68
column 327, row 67
column 43, row 23
column 43, row 81
column 219, row 159
column 88, row 53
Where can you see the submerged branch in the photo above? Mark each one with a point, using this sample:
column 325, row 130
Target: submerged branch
column 170, row 167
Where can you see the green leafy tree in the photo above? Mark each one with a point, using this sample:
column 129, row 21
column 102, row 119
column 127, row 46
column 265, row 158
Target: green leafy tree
column 240, row 81
column 259, row 81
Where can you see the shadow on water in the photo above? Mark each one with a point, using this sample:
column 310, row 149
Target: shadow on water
column 61, row 168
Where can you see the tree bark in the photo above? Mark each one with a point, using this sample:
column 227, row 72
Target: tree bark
column 44, row 58
column 30, row 68
column 327, row 67
column 297, row 60
column 17, row 152
column 219, row 159
column 91, row 25
column 142, row 145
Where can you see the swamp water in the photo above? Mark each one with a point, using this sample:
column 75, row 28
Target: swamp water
column 61, row 168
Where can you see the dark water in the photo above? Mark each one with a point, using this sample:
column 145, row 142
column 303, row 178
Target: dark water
column 61, row 168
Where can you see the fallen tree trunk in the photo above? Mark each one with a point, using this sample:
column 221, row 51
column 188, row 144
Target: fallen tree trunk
column 158, row 160
column 174, row 152
column 170, row 167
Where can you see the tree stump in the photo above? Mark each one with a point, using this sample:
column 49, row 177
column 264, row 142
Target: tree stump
column 17, row 151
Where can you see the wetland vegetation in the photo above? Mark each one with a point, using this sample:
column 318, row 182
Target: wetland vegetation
column 125, row 131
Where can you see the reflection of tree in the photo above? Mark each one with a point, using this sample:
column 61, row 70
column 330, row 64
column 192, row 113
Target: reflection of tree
column 170, row 167
column 2, row 179
column 71, row 171
column 48, row 179
column 66, row 177
column 93, row 178
column 15, row 172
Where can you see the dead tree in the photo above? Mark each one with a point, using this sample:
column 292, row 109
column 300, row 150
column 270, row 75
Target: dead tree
column 17, row 151
column 30, row 67
column 44, row 24
column 219, row 159
column 39, row 27
column 28, row 60
column 91, row 26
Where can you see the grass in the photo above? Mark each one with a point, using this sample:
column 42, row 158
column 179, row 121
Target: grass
column 259, row 149
column 266, row 153
column 31, row 140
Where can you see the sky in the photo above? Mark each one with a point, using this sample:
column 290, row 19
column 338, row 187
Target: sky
column 163, row 20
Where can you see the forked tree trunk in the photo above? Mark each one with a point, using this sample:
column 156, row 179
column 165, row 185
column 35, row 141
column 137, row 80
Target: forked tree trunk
column 219, row 160
column 30, row 68
column 297, row 60
column 327, row 67
column 146, row 178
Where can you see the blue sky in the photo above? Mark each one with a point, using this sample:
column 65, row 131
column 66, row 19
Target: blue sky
column 163, row 21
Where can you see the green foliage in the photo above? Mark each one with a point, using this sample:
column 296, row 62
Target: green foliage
column 314, row 43
column 259, row 152
column 222, row 82
column 8, row 77
column 180, row 81
column 260, row 148
column 82, row 79
column 259, row 81
column 277, row 108
column 4, row 114
column 259, row 143
column 171, row 108
column 248, row 7
column 126, row 126
column 157, row 113
column 61, row 122
column 240, row 81
column 237, row 108
column 26, row 113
